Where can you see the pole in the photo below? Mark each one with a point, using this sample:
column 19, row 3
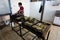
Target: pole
column 9, row 1
column 43, row 5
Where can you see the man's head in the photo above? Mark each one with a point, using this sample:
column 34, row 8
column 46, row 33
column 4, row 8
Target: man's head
column 19, row 3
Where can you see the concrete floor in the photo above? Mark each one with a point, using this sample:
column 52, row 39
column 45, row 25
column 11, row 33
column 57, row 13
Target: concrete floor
column 8, row 34
column 55, row 33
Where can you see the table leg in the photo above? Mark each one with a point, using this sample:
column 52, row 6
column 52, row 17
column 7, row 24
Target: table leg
column 48, row 35
column 21, row 33
column 34, row 38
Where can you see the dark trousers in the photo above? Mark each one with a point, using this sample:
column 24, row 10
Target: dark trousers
column 17, row 15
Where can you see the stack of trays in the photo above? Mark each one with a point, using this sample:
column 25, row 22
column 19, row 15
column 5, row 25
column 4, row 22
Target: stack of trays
column 30, row 21
column 20, row 18
column 40, row 27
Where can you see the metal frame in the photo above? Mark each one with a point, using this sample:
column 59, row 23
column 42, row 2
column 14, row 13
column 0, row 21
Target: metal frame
column 38, row 34
column 9, row 1
column 20, row 28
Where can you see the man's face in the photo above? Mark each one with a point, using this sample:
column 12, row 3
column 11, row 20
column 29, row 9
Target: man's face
column 19, row 5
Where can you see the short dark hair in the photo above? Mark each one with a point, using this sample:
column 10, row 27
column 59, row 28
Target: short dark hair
column 19, row 3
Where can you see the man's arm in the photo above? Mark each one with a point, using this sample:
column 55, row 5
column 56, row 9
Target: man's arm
column 17, row 12
column 22, row 10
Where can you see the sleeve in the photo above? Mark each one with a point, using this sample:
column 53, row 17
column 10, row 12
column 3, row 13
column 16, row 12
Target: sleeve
column 21, row 8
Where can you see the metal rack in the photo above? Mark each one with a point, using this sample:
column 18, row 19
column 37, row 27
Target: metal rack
column 31, row 29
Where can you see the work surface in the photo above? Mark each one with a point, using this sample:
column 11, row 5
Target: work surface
column 8, row 34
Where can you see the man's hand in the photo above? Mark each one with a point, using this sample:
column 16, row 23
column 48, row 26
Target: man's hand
column 16, row 13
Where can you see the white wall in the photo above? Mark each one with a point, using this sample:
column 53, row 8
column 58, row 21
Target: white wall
column 4, row 7
column 34, row 10
column 26, row 4
column 49, row 11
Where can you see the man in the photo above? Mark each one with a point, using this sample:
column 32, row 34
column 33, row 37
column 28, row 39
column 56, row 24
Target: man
column 20, row 12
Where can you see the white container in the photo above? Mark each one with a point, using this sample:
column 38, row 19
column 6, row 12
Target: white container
column 57, row 20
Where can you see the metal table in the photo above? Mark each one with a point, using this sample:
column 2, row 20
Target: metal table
column 31, row 29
